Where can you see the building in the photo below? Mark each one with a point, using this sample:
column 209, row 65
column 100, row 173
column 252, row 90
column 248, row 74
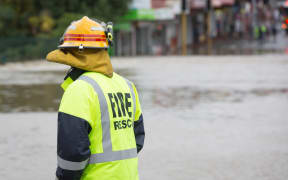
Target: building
column 153, row 27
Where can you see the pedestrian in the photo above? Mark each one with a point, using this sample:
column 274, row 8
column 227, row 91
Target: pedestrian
column 274, row 31
column 100, row 122
column 275, row 21
column 263, row 32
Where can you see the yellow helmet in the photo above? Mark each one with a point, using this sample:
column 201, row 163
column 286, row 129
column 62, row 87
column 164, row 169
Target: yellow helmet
column 85, row 33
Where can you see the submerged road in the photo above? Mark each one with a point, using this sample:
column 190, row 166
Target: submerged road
column 206, row 118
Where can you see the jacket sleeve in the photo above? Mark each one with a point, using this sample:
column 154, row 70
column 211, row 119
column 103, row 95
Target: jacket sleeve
column 138, row 123
column 139, row 133
column 74, row 126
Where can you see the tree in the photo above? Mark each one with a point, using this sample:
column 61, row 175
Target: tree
column 35, row 17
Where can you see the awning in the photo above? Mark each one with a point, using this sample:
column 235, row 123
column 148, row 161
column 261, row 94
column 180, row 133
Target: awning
column 219, row 3
column 164, row 14
column 201, row 4
column 285, row 3
column 139, row 14
column 216, row 3
column 197, row 4
column 227, row 2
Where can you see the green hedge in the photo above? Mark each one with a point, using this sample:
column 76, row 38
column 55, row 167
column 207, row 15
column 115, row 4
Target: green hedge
column 25, row 48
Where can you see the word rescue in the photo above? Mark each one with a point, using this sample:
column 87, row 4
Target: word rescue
column 120, row 103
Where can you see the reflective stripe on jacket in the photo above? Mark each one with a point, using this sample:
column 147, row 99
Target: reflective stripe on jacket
column 100, row 129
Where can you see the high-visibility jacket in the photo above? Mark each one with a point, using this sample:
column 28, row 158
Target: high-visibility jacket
column 100, row 129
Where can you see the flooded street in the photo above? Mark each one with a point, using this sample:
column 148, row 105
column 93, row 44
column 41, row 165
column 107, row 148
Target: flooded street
column 206, row 118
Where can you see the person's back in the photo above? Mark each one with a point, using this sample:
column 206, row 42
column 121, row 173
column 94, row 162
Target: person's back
column 100, row 122
column 113, row 101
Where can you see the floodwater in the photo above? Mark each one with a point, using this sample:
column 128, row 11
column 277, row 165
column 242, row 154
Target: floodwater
column 206, row 118
column 21, row 91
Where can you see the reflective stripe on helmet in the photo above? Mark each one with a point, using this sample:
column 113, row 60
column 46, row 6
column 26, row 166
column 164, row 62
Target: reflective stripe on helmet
column 84, row 39
column 107, row 155
column 84, row 35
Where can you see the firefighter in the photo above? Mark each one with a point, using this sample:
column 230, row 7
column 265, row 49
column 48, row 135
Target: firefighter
column 100, row 122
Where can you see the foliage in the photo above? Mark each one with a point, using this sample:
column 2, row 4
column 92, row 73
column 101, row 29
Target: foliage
column 27, row 25
column 25, row 48
column 33, row 17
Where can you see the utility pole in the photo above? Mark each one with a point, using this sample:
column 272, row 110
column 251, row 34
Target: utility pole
column 209, row 30
column 254, row 17
column 184, row 27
